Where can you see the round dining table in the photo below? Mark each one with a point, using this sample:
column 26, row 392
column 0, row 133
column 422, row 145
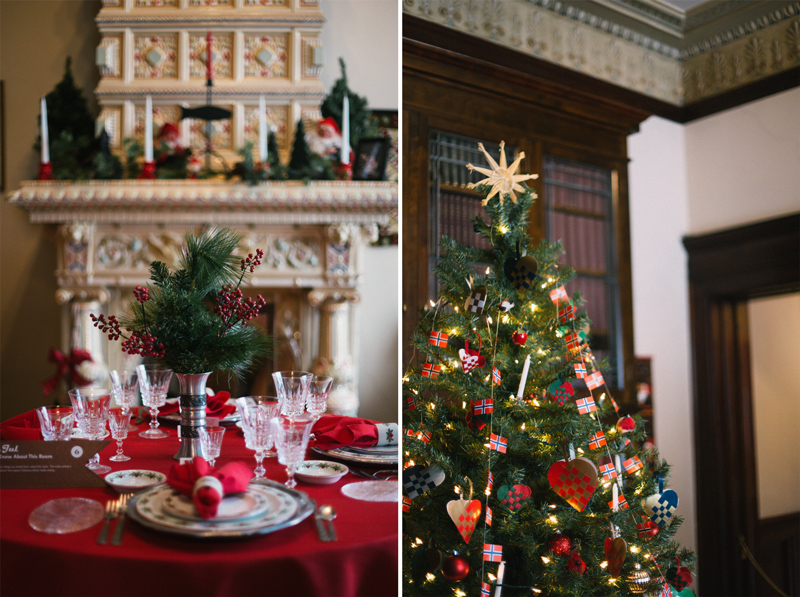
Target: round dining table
column 363, row 561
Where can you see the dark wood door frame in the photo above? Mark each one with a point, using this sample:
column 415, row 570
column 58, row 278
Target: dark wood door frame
column 726, row 269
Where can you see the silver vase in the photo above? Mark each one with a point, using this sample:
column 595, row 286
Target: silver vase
column 193, row 413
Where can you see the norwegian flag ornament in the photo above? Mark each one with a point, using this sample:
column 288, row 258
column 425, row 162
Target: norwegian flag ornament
column 498, row 442
column 661, row 506
column 594, row 381
column 476, row 303
column 633, row 464
column 488, row 516
column 561, row 392
column 483, row 406
column 406, row 504
column 419, row 479
column 586, row 405
column 607, row 468
column 566, row 314
column 513, row 496
column 492, row 552
column 646, row 528
column 621, row 502
column 438, row 339
column 573, row 341
column 580, row 370
column 598, row 440
column 496, row 377
column 575, row 481
column 521, row 271
column 471, row 359
column 465, row 514
column 559, row 294
column 431, row 370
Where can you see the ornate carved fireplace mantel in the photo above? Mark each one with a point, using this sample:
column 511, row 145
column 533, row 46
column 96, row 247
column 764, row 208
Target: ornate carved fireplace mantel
column 312, row 235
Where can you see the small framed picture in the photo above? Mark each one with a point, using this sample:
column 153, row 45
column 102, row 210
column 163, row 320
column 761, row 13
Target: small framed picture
column 371, row 159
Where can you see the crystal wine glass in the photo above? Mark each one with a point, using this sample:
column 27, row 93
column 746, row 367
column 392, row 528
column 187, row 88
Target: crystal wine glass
column 292, row 388
column 291, row 440
column 154, row 384
column 318, row 390
column 274, row 403
column 118, row 421
column 125, row 382
column 257, row 432
column 91, row 405
column 211, row 440
column 56, row 422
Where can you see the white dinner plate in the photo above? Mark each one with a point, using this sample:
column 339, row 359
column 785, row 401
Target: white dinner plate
column 350, row 456
column 320, row 472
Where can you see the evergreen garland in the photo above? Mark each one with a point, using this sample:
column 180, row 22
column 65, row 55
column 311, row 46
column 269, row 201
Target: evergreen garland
column 537, row 429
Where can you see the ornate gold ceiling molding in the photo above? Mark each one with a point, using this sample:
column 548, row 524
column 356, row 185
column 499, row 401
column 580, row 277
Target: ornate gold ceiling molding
column 651, row 52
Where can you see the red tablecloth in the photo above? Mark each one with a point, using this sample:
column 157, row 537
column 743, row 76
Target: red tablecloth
column 291, row 561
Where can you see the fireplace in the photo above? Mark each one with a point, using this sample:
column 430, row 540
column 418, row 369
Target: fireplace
column 313, row 236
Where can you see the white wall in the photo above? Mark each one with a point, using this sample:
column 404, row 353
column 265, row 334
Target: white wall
column 744, row 163
column 365, row 34
column 659, row 219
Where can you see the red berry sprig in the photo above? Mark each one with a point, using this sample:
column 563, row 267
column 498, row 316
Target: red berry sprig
column 108, row 326
column 144, row 344
column 251, row 262
column 232, row 308
column 142, row 294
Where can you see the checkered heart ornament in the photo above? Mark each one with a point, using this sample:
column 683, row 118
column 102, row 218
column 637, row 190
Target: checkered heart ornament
column 661, row 506
column 465, row 514
column 419, row 479
column 574, row 480
column 513, row 496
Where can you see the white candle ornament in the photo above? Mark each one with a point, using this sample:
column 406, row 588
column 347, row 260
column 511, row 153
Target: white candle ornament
column 148, row 130
column 346, row 131
column 45, row 133
column 524, row 376
column 262, row 129
column 501, row 572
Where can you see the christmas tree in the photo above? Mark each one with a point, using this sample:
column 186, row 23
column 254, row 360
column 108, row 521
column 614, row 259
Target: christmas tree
column 520, row 474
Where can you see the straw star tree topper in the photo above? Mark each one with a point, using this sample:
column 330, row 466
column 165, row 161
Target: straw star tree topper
column 534, row 432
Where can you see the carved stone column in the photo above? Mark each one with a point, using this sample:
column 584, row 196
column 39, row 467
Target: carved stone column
column 335, row 354
column 82, row 333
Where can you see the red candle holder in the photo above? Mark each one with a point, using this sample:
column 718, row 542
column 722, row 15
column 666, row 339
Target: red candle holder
column 45, row 171
column 148, row 171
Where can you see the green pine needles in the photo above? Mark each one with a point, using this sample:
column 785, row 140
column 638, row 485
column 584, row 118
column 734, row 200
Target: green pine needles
column 451, row 429
column 193, row 319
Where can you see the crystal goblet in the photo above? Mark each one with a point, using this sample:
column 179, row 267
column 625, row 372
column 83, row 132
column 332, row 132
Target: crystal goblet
column 274, row 403
column 318, row 390
column 211, row 440
column 291, row 440
column 118, row 421
column 125, row 382
column 56, row 422
column 154, row 384
column 292, row 388
column 91, row 407
column 257, row 431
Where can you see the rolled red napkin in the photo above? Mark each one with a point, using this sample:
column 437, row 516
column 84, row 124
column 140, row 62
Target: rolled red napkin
column 207, row 487
column 336, row 431
column 22, row 427
column 216, row 406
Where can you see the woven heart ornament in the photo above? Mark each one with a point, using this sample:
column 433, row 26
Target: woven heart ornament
column 470, row 358
column 521, row 271
column 575, row 481
column 561, row 392
column 513, row 496
column 661, row 506
column 464, row 513
column 419, row 479
column 616, row 550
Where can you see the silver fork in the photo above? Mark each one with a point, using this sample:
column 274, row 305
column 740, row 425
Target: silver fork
column 122, row 506
column 112, row 507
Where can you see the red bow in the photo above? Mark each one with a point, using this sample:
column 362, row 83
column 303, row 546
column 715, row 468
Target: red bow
column 66, row 364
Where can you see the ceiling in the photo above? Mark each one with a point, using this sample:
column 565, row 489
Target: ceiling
column 685, row 5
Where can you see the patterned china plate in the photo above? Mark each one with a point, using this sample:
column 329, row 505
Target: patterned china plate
column 235, row 507
column 320, row 472
column 134, row 479
column 351, row 456
column 286, row 507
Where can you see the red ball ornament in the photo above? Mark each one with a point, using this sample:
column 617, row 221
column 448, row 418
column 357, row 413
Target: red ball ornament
column 626, row 424
column 560, row 545
column 519, row 337
column 455, row 567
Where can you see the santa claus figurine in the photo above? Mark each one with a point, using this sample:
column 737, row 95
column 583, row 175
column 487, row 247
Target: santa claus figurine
column 326, row 140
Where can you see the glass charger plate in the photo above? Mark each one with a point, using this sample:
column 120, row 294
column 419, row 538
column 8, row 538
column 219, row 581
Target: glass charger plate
column 349, row 455
column 290, row 508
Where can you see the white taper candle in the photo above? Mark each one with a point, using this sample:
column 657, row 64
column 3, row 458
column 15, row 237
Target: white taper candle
column 346, row 131
column 262, row 129
column 148, row 130
column 524, row 378
column 45, row 133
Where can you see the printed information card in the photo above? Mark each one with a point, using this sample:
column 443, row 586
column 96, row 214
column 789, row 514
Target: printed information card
column 40, row 464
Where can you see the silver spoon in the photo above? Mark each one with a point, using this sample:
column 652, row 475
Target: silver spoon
column 327, row 513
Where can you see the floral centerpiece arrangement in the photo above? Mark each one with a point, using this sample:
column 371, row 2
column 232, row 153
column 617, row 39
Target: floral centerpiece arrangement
column 193, row 319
